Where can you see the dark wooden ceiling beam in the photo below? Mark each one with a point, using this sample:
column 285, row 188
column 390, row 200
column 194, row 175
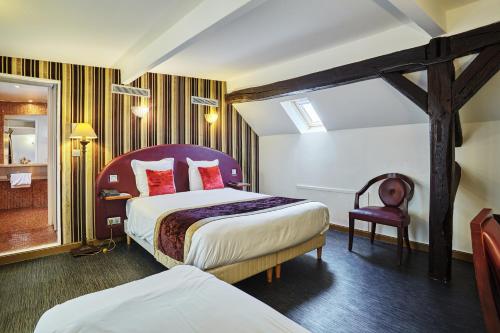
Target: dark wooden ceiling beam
column 406, row 60
column 438, row 50
column 474, row 40
column 409, row 89
column 483, row 68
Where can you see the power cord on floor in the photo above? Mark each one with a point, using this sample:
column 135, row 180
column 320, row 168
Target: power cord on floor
column 111, row 243
column 105, row 249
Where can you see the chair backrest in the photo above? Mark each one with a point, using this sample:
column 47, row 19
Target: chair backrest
column 485, row 234
column 392, row 192
column 392, row 187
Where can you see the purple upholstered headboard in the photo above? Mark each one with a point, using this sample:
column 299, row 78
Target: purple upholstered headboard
column 120, row 166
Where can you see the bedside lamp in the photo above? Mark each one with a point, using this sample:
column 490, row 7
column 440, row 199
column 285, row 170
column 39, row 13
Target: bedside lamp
column 83, row 132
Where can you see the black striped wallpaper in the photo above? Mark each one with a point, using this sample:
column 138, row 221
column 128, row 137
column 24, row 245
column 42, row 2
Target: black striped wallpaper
column 86, row 97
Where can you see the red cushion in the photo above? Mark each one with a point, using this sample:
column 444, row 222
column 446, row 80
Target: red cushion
column 160, row 182
column 211, row 178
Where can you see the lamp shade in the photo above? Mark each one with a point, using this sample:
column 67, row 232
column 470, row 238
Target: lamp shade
column 83, row 131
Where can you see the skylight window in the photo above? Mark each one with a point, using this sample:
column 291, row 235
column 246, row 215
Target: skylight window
column 303, row 115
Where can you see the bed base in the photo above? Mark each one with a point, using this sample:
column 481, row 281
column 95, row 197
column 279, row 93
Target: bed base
column 239, row 271
column 244, row 269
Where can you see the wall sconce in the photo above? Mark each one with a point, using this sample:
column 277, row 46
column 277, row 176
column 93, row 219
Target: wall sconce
column 140, row 111
column 212, row 116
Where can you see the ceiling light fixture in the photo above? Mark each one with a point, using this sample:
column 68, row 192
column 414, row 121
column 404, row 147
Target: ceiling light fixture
column 16, row 86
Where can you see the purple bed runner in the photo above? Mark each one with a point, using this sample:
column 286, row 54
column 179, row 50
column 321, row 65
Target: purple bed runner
column 174, row 226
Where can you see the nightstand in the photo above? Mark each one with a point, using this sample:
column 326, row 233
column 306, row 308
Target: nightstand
column 121, row 196
column 238, row 185
column 112, row 208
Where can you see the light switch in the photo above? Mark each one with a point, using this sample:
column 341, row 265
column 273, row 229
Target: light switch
column 113, row 178
column 234, row 172
column 76, row 153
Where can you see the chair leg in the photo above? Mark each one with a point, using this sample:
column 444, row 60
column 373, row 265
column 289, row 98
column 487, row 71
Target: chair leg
column 400, row 244
column 374, row 225
column 351, row 233
column 407, row 239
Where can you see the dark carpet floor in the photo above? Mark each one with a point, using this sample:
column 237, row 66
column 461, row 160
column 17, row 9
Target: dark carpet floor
column 362, row 291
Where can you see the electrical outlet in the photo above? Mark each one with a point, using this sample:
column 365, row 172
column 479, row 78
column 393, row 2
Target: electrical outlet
column 234, row 172
column 113, row 178
column 114, row 220
column 76, row 153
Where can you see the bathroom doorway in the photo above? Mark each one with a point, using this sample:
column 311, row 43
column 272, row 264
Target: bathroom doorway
column 29, row 164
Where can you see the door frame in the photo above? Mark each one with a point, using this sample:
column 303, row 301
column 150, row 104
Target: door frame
column 54, row 148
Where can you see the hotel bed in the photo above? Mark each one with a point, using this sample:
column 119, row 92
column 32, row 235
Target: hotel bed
column 232, row 247
column 229, row 240
column 183, row 299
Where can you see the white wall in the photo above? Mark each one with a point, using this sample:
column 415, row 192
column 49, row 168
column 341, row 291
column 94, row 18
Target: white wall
column 343, row 161
column 42, row 139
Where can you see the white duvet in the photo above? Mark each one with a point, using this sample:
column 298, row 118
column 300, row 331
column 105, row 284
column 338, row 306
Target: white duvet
column 183, row 299
column 232, row 239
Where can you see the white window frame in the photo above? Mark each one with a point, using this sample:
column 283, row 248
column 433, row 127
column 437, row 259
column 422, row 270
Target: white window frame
column 301, row 118
column 300, row 105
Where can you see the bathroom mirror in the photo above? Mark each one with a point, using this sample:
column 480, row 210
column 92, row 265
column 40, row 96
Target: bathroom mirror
column 25, row 139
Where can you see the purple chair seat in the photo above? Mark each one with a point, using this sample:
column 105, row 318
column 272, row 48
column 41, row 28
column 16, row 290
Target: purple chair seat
column 386, row 215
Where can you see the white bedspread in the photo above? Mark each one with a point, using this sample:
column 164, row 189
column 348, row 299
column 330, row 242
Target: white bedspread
column 183, row 299
column 231, row 239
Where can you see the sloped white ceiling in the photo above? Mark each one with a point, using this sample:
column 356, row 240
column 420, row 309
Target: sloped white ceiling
column 370, row 103
column 364, row 104
column 279, row 30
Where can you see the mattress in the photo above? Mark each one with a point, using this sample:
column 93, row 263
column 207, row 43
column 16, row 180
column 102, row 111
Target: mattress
column 231, row 239
column 182, row 299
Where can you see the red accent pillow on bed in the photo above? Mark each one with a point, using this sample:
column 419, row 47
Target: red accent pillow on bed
column 211, row 178
column 160, row 182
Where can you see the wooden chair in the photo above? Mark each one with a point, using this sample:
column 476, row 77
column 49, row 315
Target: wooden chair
column 395, row 192
column 485, row 234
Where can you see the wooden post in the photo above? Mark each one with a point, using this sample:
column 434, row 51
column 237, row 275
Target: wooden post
column 442, row 169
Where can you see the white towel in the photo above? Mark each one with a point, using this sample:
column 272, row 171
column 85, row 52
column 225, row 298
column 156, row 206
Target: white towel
column 20, row 180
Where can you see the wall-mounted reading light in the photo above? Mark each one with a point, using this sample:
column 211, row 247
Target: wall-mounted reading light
column 140, row 111
column 211, row 117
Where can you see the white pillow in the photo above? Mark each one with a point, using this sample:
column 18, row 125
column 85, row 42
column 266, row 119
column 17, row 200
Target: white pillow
column 140, row 167
column 195, row 182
